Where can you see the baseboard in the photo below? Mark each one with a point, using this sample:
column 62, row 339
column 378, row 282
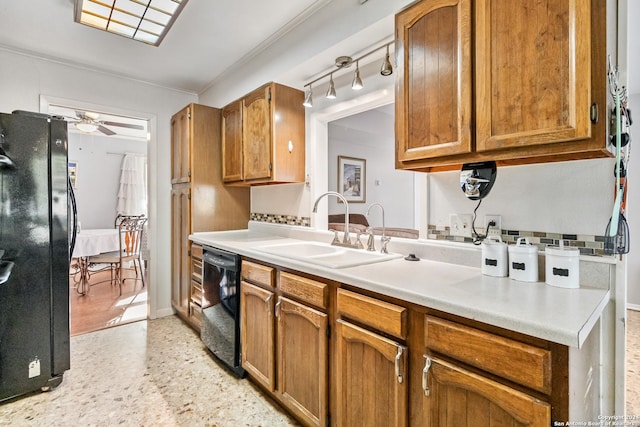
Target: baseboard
column 635, row 307
column 164, row 313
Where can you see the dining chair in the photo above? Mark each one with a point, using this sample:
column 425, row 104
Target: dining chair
column 130, row 229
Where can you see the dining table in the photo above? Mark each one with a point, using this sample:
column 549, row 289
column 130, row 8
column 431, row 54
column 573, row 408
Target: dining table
column 91, row 242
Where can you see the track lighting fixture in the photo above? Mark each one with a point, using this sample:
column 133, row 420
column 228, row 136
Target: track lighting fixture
column 345, row 62
column 308, row 99
column 331, row 92
column 357, row 81
column 386, row 69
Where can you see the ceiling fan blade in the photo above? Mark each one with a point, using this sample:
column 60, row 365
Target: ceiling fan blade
column 105, row 130
column 124, row 125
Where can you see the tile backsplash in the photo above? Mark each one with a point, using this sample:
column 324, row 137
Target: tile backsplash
column 281, row 219
column 588, row 245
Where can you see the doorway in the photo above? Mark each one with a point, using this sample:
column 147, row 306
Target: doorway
column 107, row 155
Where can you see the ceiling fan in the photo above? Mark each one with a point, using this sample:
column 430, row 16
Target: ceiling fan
column 87, row 121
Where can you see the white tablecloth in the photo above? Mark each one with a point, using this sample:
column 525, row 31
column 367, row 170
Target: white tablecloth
column 96, row 241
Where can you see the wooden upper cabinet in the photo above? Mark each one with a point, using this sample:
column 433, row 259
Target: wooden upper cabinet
column 264, row 137
column 180, row 146
column 533, row 72
column 433, row 98
column 517, row 82
column 232, row 142
column 256, row 134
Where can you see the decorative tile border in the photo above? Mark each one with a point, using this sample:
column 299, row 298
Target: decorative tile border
column 281, row 219
column 588, row 245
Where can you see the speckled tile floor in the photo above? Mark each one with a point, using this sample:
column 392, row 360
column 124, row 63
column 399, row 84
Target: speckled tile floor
column 148, row 373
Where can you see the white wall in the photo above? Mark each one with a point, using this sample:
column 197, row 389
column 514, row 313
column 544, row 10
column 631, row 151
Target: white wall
column 23, row 79
column 98, row 176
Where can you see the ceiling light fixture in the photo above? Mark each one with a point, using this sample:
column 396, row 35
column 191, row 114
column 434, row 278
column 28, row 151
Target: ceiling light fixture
column 357, row 81
column 86, row 126
column 345, row 62
column 386, row 69
column 331, row 92
column 147, row 21
column 308, row 99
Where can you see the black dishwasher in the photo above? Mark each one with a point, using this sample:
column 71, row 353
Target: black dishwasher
column 220, row 330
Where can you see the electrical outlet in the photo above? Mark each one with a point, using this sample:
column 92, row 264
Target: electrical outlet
column 460, row 224
column 494, row 230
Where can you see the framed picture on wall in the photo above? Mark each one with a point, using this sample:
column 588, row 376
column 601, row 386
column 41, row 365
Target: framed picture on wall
column 73, row 173
column 352, row 178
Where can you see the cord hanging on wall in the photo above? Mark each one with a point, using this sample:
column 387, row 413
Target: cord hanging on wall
column 343, row 62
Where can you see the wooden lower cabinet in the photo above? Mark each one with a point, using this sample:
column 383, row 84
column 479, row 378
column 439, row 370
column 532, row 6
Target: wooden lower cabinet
column 303, row 351
column 371, row 383
column 285, row 343
column 458, row 398
column 257, row 333
column 333, row 356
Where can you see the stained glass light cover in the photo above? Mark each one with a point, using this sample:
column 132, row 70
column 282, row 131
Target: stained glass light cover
column 147, row 21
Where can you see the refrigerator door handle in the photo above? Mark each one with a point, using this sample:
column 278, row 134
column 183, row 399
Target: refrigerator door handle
column 74, row 210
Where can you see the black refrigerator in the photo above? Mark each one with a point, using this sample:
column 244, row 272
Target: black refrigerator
column 36, row 216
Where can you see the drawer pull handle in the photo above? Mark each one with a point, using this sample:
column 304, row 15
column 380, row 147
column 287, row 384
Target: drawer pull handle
column 278, row 308
column 267, row 302
column 398, row 357
column 425, row 373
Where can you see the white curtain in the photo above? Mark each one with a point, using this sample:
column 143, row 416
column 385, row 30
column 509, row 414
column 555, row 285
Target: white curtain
column 132, row 195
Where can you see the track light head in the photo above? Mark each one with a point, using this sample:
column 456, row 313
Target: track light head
column 308, row 99
column 357, row 81
column 331, row 92
column 387, row 68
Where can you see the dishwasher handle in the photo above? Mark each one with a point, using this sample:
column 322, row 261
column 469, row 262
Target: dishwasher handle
column 226, row 261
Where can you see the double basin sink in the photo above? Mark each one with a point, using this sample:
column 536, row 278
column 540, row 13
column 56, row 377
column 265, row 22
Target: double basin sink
column 326, row 255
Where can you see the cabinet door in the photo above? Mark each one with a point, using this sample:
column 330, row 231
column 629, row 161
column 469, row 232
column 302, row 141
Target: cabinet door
column 533, row 72
column 371, row 384
column 302, row 361
column 433, row 92
column 232, row 142
column 257, row 330
column 180, row 146
column 461, row 398
column 180, row 260
column 257, row 134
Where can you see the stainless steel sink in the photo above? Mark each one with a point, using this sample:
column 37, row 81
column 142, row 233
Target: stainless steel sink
column 326, row 255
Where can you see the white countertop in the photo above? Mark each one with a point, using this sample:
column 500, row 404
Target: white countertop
column 564, row 316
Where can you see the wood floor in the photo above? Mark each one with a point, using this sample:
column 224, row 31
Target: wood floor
column 102, row 307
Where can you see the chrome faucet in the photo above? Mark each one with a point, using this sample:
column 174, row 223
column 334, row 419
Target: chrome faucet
column 346, row 240
column 384, row 240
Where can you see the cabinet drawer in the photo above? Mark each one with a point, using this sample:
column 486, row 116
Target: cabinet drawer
column 195, row 313
column 196, row 270
column 257, row 273
column 383, row 316
column 509, row 359
column 196, row 292
column 196, row 251
column 306, row 290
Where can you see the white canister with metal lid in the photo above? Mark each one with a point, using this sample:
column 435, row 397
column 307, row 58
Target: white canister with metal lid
column 562, row 266
column 494, row 257
column 523, row 261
